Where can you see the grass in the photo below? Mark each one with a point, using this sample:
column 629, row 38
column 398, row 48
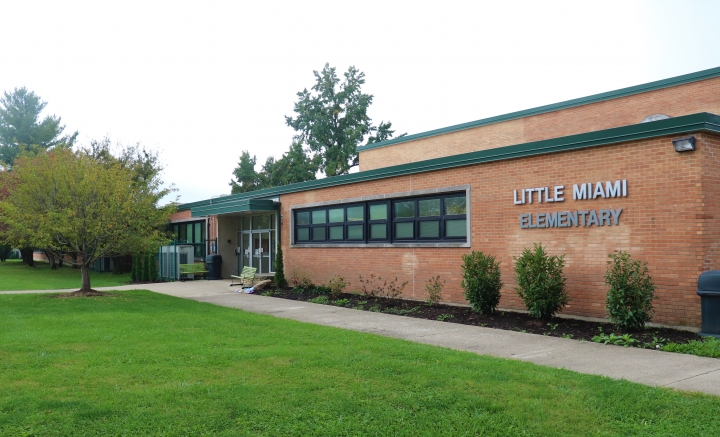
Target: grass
column 139, row 363
column 17, row 276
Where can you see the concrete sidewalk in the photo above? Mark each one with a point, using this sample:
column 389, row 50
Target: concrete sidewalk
column 683, row 372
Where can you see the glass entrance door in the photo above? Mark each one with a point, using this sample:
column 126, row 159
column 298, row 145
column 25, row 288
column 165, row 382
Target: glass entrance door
column 261, row 251
column 257, row 243
column 257, row 250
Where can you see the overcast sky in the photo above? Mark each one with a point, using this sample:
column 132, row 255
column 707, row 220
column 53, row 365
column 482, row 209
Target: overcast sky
column 200, row 81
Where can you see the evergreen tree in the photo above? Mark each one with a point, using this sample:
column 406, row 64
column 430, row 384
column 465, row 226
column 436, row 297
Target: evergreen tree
column 280, row 280
column 21, row 127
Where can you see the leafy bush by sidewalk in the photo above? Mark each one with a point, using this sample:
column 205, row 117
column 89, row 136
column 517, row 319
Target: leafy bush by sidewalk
column 481, row 281
column 629, row 299
column 541, row 284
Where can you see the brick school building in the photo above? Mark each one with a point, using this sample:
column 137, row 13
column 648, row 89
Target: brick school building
column 636, row 169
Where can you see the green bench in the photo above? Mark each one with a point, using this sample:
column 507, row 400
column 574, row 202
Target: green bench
column 246, row 276
column 192, row 269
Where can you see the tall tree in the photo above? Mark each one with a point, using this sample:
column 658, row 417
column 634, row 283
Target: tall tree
column 294, row 166
column 332, row 120
column 246, row 178
column 73, row 204
column 21, row 127
column 144, row 164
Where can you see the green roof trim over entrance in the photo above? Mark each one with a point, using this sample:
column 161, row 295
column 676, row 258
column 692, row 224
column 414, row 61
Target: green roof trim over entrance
column 623, row 92
column 673, row 126
column 237, row 205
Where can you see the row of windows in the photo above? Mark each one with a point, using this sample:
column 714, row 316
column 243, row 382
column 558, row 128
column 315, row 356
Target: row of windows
column 435, row 218
column 191, row 233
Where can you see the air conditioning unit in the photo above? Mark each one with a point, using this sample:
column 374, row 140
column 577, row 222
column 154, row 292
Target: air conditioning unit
column 171, row 257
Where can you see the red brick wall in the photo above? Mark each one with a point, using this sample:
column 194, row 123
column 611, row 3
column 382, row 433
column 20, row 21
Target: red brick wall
column 181, row 215
column 691, row 98
column 669, row 219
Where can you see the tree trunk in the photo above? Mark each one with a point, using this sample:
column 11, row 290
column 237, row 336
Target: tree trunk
column 51, row 260
column 27, row 256
column 85, row 271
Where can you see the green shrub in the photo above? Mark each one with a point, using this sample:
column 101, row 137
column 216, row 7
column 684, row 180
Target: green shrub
column 300, row 280
column 434, row 288
column 337, row 284
column 481, row 281
column 135, row 269
column 320, row 299
column 376, row 286
column 151, row 267
column 707, row 347
column 541, row 284
column 629, row 299
column 319, row 289
column 280, row 280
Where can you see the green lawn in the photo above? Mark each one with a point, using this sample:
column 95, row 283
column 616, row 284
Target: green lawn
column 139, row 363
column 17, row 276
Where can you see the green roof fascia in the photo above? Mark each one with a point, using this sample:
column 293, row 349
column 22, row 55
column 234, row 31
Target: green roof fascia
column 239, row 205
column 623, row 92
column 673, row 126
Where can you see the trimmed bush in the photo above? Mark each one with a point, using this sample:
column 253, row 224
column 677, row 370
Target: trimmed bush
column 481, row 281
column 151, row 267
column 280, row 280
column 629, row 299
column 541, row 284
column 135, row 269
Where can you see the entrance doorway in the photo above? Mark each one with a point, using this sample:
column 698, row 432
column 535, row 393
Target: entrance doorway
column 257, row 243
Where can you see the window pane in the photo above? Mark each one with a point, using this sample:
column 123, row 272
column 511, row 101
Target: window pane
column 189, row 237
column 318, row 217
column 355, row 213
column 302, row 218
column 246, row 223
column 303, row 234
column 355, row 232
column 405, row 209
column 378, row 231
column 261, row 222
column 336, row 215
column 455, row 205
column 430, row 229
column 456, row 228
column 197, row 236
column 318, row 233
column 182, row 235
column 378, row 212
column 404, row 230
column 336, row 232
column 429, row 208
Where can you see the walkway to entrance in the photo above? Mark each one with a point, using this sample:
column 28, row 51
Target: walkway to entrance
column 665, row 369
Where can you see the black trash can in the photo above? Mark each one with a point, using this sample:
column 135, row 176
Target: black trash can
column 213, row 263
column 709, row 292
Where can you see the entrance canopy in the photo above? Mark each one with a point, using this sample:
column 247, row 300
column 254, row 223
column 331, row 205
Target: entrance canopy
column 234, row 206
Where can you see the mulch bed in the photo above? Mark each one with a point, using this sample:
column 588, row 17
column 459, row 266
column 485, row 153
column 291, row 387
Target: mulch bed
column 508, row 320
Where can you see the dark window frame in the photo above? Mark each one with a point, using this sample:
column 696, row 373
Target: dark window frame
column 389, row 222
